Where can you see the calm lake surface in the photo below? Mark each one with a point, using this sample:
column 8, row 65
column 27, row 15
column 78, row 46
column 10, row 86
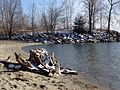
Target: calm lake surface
column 98, row 62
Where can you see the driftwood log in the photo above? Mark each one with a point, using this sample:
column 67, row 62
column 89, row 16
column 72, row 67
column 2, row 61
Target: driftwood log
column 21, row 61
column 40, row 59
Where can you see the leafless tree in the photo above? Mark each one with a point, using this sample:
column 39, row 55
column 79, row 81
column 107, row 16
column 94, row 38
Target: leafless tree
column 32, row 14
column 112, row 4
column 10, row 15
column 51, row 15
column 25, row 22
column 44, row 22
column 92, row 9
column 98, row 14
column 68, row 13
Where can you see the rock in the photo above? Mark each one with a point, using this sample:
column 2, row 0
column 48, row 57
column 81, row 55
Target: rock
column 66, row 38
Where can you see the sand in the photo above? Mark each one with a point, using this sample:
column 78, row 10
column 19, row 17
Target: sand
column 25, row 80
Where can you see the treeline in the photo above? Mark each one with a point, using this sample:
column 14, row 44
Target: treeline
column 49, row 15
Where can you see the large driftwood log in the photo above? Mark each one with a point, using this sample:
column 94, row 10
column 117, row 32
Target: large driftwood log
column 37, row 57
column 47, row 61
column 21, row 61
column 40, row 59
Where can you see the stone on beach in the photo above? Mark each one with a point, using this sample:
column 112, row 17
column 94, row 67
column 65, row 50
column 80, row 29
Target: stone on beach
column 67, row 38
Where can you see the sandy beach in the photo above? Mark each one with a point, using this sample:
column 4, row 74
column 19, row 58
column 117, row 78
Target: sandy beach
column 25, row 80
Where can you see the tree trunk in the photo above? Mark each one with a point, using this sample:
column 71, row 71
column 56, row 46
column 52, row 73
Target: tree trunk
column 101, row 20
column 90, row 19
column 109, row 19
column 93, row 16
column 10, row 28
column 93, row 24
column 10, row 33
column 46, row 24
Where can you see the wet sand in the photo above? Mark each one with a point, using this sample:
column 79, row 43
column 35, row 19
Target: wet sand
column 25, row 80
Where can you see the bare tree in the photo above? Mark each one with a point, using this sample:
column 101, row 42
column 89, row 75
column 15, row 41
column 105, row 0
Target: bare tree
column 52, row 14
column 68, row 13
column 101, row 14
column 10, row 11
column 112, row 5
column 44, row 22
column 90, row 6
column 92, row 9
column 25, row 22
column 98, row 12
column 32, row 14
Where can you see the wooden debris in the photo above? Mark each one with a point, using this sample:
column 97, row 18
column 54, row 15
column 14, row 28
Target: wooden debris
column 40, row 59
column 21, row 61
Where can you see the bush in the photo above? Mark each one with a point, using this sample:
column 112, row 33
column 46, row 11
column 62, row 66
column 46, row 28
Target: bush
column 79, row 25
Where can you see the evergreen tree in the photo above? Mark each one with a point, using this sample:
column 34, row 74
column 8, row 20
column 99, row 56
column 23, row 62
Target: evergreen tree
column 79, row 25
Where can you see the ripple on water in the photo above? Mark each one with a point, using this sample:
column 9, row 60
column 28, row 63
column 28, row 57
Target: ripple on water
column 100, row 62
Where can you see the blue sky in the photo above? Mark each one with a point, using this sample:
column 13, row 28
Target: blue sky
column 78, row 8
column 27, row 3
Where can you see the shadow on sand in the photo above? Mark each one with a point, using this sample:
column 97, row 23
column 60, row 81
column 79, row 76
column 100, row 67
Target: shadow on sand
column 15, row 67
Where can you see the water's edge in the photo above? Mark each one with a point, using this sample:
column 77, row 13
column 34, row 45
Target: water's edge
column 98, row 62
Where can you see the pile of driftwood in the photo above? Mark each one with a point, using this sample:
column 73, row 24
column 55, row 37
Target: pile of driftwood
column 39, row 60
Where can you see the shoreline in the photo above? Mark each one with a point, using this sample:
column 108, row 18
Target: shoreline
column 26, row 80
column 66, row 37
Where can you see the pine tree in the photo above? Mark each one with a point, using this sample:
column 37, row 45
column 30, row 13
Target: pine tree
column 79, row 25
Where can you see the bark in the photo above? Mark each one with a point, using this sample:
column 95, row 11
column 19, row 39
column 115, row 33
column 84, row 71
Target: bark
column 39, row 56
column 109, row 19
column 90, row 19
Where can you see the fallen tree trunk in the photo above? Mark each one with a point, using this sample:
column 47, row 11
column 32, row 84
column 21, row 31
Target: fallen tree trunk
column 39, row 59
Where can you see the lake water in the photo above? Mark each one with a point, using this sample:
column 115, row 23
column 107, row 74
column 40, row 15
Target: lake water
column 98, row 62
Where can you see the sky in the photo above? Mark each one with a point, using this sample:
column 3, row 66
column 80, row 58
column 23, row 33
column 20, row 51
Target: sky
column 27, row 3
